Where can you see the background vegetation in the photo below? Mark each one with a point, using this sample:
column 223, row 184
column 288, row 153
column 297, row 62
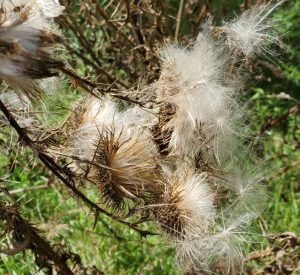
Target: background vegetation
column 119, row 53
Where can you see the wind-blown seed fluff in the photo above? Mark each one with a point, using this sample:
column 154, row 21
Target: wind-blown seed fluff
column 246, row 189
column 183, row 163
column 222, row 250
column 194, row 81
column 202, row 120
column 186, row 206
column 26, row 47
column 115, row 152
column 47, row 8
column 251, row 32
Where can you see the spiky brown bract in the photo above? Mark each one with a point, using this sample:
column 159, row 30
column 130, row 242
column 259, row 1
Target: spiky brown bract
column 116, row 153
column 26, row 48
column 162, row 134
column 186, row 205
column 130, row 171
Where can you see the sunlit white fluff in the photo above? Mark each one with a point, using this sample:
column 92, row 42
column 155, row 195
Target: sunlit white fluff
column 186, row 206
column 47, row 8
column 251, row 32
column 247, row 192
column 114, row 150
column 198, row 73
column 140, row 117
column 221, row 250
column 100, row 114
column 227, row 244
column 226, row 131
column 199, row 81
column 197, row 196
column 194, row 80
column 84, row 136
column 50, row 8
column 183, row 139
column 219, row 136
column 28, row 40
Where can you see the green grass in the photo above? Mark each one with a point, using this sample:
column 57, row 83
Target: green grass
column 64, row 222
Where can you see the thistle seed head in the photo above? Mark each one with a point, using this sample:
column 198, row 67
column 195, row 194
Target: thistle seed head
column 186, row 205
column 27, row 48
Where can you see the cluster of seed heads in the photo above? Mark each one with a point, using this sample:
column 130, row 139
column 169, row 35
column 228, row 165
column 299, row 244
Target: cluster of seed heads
column 184, row 162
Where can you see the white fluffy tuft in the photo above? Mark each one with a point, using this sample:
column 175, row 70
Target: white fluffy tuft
column 222, row 248
column 195, row 81
column 185, row 208
column 250, row 33
column 28, row 41
column 197, row 199
column 46, row 8
column 248, row 194
column 103, row 115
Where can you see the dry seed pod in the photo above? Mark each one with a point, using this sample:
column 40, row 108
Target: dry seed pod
column 186, row 205
column 127, row 168
column 116, row 152
column 193, row 80
column 27, row 46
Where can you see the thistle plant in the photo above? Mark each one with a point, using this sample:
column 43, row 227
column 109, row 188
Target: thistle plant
column 174, row 150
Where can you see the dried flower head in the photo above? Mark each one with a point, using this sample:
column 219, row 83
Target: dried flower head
column 26, row 48
column 116, row 152
column 127, row 168
column 195, row 81
column 186, row 206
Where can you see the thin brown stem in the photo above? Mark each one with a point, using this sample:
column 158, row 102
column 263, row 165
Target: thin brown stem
column 178, row 19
